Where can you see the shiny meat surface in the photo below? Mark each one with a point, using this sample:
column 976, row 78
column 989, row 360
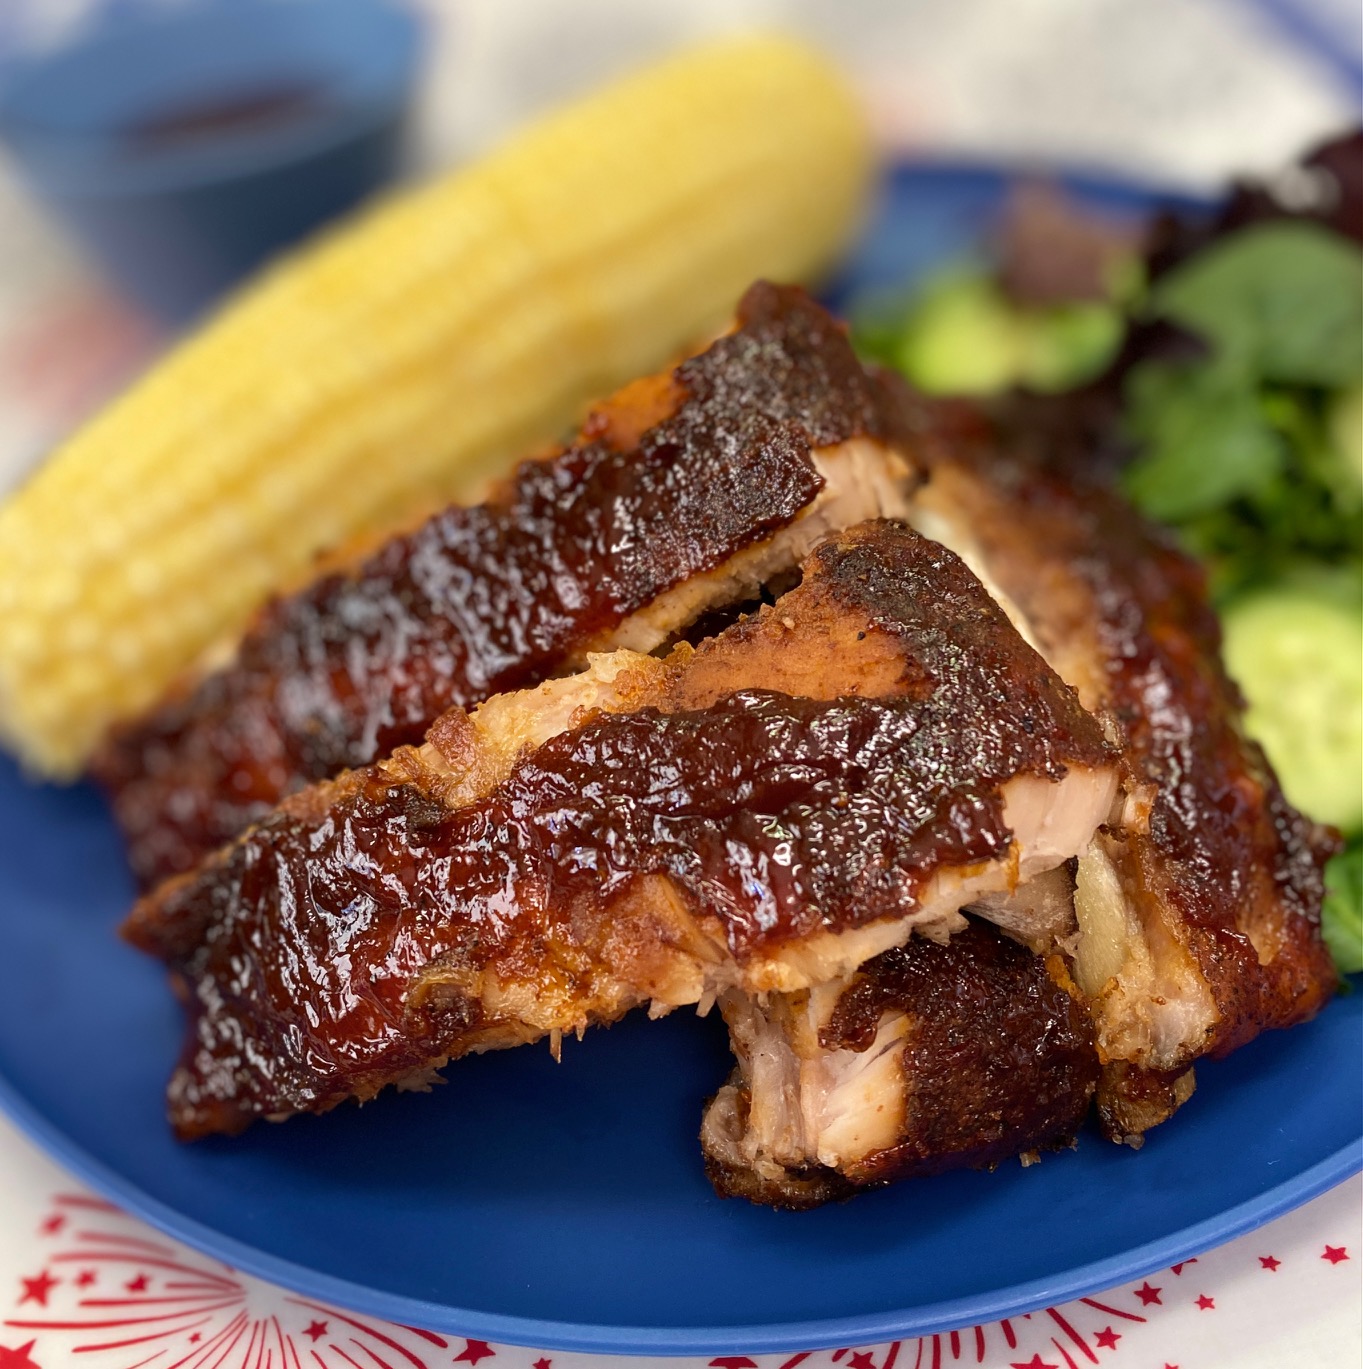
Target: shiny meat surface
column 933, row 1057
column 1198, row 908
column 684, row 493
column 766, row 811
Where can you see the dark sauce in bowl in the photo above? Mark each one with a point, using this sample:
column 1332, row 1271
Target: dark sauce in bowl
column 265, row 109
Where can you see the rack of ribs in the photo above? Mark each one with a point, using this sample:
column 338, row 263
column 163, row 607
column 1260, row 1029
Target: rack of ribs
column 686, row 493
column 1198, row 910
column 761, row 813
column 972, row 803
column 1188, row 924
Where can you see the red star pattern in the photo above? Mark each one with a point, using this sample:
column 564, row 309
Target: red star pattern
column 37, row 1289
column 18, row 1358
column 473, row 1351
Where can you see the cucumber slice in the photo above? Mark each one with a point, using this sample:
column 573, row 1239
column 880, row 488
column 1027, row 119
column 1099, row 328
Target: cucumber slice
column 1069, row 344
column 1299, row 659
column 962, row 338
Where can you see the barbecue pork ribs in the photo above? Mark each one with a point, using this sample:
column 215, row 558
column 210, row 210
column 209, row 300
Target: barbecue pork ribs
column 1198, row 907
column 932, row 1056
column 956, row 838
column 685, row 493
column 764, row 812
column 1188, row 924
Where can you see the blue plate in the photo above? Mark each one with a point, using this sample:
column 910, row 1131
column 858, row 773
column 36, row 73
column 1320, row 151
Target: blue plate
column 565, row 1206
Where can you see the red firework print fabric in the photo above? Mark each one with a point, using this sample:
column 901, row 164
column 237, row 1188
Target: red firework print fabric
column 83, row 1284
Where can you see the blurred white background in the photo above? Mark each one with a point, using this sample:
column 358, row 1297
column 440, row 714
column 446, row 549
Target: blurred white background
column 1175, row 92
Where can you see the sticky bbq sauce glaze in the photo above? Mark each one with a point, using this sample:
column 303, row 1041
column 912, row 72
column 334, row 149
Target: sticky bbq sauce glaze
column 1224, row 849
column 779, row 817
column 482, row 600
column 1001, row 1056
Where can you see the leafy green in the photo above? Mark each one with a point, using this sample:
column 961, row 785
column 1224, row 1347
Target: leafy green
column 1205, row 440
column 1277, row 302
column 1342, row 916
column 1261, row 537
column 1252, row 447
column 962, row 335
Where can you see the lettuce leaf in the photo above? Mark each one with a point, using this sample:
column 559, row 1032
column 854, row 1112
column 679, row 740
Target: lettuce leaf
column 1342, row 916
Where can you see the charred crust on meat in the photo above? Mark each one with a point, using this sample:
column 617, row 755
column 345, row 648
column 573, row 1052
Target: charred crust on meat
column 781, row 817
column 1131, row 1100
column 1212, row 857
column 672, row 478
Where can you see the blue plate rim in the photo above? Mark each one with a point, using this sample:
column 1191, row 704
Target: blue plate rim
column 590, row 1338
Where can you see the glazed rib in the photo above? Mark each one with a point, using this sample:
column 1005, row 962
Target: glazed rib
column 1198, row 909
column 685, row 493
column 934, row 1056
column 1189, row 923
column 764, row 812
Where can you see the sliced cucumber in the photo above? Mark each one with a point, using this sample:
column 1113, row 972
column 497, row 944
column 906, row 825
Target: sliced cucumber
column 1069, row 344
column 1298, row 657
column 961, row 338
column 964, row 336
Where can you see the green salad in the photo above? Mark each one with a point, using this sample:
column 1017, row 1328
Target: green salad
column 1236, row 379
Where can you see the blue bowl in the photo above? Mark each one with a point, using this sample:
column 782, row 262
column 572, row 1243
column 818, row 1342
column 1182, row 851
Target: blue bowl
column 184, row 147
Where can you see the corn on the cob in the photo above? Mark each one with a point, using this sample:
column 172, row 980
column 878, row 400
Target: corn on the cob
column 393, row 364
